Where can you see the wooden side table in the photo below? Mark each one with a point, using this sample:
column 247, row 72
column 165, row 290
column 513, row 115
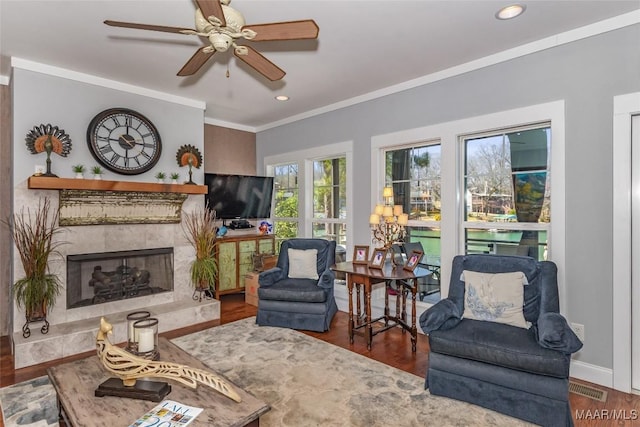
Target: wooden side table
column 361, row 277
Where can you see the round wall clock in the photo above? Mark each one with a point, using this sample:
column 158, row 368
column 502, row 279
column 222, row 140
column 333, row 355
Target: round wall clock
column 124, row 141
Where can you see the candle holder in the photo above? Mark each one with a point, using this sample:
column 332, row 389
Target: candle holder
column 132, row 339
column 146, row 333
column 387, row 221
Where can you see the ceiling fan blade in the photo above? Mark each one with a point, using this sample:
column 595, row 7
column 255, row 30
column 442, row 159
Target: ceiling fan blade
column 147, row 27
column 292, row 30
column 261, row 64
column 212, row 7
column 196, row 61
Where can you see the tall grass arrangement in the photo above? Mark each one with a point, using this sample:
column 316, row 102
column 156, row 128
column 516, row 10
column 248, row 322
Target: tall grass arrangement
column 200, row 230
column 33, row 234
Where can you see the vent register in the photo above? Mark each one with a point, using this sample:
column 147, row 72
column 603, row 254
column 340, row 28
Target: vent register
column 588, row 391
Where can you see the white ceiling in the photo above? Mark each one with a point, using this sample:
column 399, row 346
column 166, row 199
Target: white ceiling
column 364, row 46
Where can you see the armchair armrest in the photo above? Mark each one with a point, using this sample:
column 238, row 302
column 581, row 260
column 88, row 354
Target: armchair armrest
column 443, row 315
column 271, row 276
column 553, row 332
column 326, row 279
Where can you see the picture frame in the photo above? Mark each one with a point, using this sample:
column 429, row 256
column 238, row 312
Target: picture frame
column 378, row 258
column 360, row 254
column 413, row 259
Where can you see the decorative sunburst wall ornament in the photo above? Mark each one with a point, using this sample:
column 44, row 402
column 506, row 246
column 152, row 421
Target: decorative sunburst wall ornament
column 188, row 155
column 49, row 139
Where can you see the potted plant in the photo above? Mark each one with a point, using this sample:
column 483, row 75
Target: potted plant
column 79, row 170
column 160, row 176
column 200, row 230
column 34, row 235
column 174, row 177
column 97, row 172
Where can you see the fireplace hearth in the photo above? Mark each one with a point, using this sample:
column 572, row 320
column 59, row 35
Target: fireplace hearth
column 98, row 278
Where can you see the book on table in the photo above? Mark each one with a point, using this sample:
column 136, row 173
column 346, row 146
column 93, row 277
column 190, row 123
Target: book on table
column 168, row 413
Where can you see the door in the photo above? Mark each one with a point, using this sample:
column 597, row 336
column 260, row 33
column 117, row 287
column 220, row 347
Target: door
column 635, row 252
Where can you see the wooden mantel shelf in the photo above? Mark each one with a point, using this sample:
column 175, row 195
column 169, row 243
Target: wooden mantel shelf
column 52, row 183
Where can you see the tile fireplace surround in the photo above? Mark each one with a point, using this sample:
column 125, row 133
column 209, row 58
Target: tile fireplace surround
column 73, row 331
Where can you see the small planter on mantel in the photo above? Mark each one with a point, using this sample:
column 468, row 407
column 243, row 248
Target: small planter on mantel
column 97, row 172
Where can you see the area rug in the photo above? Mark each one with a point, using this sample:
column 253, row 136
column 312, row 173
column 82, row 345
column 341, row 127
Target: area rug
column 309, row 382
column 31, row 403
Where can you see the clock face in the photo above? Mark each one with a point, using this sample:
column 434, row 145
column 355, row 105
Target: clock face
column 124, row 141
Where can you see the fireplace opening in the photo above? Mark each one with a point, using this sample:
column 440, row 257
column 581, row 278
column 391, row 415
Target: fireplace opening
column 97, row 278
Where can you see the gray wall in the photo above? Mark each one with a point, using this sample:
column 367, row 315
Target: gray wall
column 70, row 105
column 586, row 74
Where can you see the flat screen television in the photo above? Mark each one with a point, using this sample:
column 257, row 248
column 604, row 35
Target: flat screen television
column 239, row 196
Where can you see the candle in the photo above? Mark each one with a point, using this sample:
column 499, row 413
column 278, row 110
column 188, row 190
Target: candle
column 146, row 340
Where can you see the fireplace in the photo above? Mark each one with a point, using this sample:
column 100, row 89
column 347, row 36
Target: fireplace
column 97, row 278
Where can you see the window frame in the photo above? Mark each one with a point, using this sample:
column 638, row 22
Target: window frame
column 305, row 158
column 449, row 134
column 333, row 220
column 274, row 219
column 510, row 226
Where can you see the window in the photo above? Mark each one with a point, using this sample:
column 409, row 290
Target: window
column 330, row 199
column 286, row 208
column 414, row 173
column 525, row 163
column 312, row 193
column 507, row 191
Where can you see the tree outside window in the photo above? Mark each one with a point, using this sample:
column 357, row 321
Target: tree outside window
column 329, row 199
column 285, row 202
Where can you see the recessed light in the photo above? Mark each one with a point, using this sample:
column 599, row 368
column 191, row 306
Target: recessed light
column 510, row 12
column 282, row 98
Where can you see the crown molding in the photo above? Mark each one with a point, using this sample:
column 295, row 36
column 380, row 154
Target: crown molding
column 230, row 125
column 107, row 83
column 580, row 33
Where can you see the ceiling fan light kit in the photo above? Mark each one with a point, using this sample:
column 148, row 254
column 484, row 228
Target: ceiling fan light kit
column 222, row 25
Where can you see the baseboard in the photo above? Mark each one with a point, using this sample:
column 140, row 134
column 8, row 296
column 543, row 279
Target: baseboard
column 591, row 373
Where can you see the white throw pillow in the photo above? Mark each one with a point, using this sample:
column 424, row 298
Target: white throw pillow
column 495, row 297
column 303, row 263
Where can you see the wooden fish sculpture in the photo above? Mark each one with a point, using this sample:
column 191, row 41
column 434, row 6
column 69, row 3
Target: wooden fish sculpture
column 129, row 367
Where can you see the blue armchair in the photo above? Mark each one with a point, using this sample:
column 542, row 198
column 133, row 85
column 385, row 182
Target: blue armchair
column 517, row 371
column 304, row 301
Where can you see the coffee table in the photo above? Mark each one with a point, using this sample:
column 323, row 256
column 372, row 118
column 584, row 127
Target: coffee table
column 75, row 383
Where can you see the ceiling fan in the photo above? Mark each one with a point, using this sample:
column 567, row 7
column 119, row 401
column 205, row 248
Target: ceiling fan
column 222, row 26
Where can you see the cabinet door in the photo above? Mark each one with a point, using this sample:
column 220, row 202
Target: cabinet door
column 227, row 278
column 265, row 246
column 246, row 249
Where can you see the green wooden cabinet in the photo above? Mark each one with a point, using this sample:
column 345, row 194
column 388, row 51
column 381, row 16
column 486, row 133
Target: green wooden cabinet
column 235, row 260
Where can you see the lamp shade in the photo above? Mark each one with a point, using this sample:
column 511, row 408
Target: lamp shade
column 403, row 219
column 378, row 209
column 397, row 210
column 374, row 219
column 387, row 192
column 387, row 211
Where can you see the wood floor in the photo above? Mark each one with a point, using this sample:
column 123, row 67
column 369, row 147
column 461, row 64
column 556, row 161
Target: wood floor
column 392, row 347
